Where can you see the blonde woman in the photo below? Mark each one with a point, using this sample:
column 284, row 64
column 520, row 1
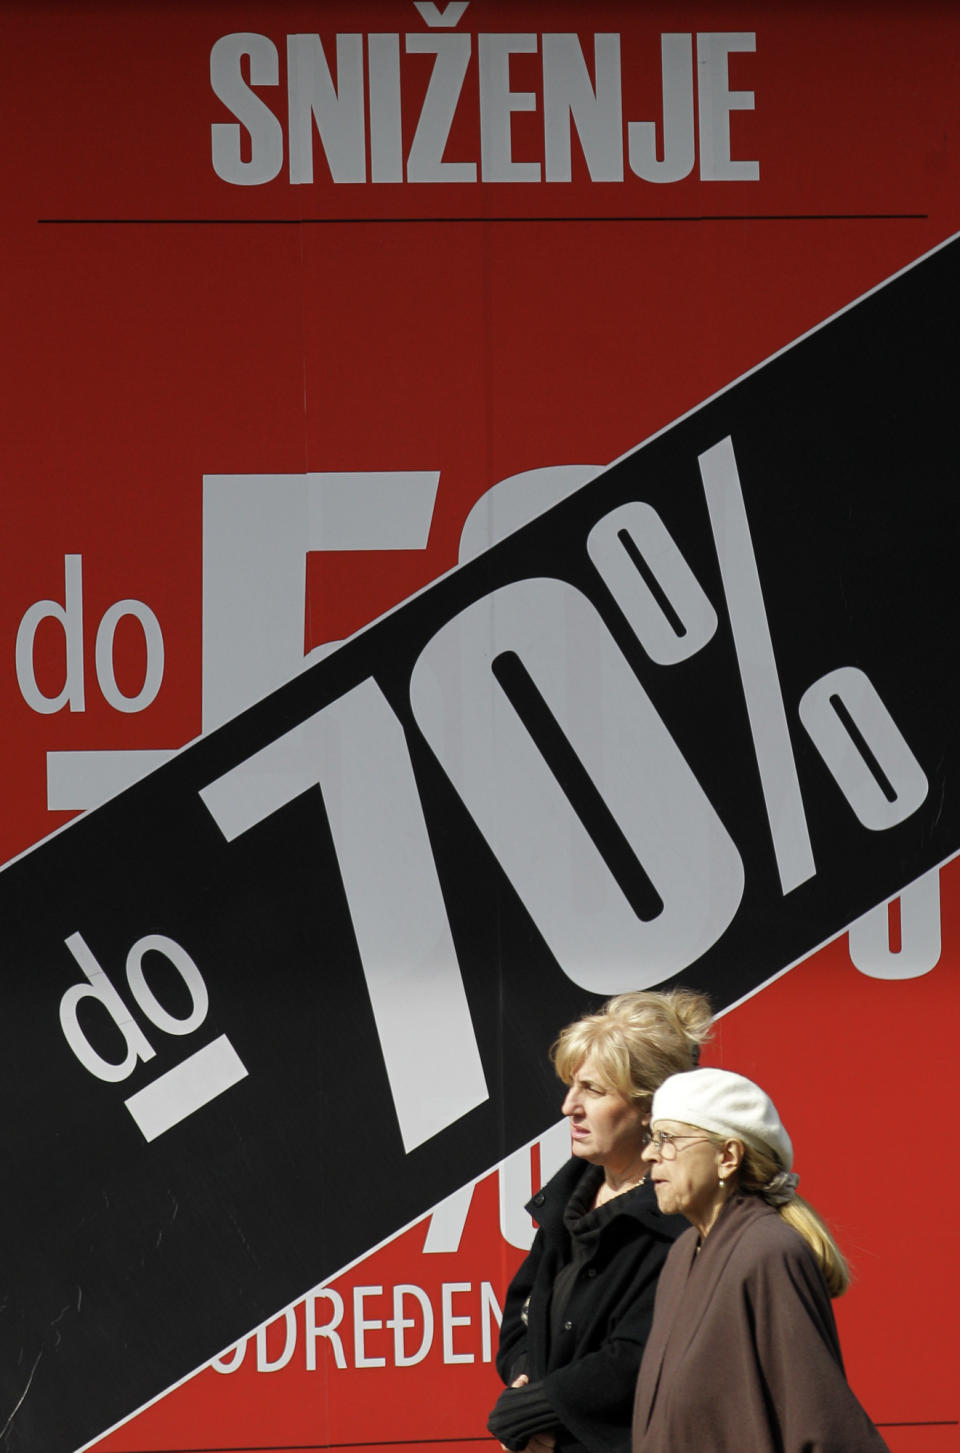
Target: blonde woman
column 744, row 1351
column 579, row 1309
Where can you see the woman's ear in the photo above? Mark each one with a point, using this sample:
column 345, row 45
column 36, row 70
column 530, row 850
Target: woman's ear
column 731, row 1154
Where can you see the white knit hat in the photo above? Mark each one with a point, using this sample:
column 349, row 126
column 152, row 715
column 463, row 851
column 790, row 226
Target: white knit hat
column 727, row 1104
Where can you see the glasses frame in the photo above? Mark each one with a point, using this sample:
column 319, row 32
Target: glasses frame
column 663, row 1142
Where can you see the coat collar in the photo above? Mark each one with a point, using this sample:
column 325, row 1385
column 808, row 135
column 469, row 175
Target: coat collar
column 640, row 1204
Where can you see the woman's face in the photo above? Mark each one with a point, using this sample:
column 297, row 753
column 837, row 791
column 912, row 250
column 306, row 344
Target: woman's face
column 686, row 1178
column 604, row 1127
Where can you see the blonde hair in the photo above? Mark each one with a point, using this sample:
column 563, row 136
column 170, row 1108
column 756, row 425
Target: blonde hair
column 637, row 1040
column 757, row 1171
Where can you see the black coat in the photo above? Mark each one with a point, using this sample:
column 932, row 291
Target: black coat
column 588, row 1370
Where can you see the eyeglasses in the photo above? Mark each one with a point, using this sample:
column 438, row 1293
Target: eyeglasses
column 664, row 1142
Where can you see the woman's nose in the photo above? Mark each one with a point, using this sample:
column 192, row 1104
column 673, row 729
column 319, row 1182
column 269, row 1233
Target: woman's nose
column 569, row 1102
column 649, row 1151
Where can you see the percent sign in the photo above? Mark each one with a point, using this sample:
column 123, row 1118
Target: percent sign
column 842, row 712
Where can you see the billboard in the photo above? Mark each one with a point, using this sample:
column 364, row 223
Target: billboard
column 481, row 487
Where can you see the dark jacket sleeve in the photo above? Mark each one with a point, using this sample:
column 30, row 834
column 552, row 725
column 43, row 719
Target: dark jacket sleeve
column 518, row 1413
column 512, row 1348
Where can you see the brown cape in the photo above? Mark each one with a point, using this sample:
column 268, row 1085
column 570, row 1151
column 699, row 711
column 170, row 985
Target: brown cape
column 743, row 1356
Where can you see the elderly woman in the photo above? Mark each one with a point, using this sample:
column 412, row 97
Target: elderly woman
column 579, row 1309
column 744, row 1351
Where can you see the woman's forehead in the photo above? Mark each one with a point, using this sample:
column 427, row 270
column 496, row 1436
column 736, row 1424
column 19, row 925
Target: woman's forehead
column 674, row 1127
column 589, row 1072
column 588, row 1069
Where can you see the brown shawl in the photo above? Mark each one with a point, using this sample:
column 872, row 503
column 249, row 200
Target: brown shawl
column 743, row 1356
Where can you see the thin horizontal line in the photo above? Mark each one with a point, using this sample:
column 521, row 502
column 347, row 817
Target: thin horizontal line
column 417, row 1442
column 929, row 1423
column 317, row 1447
column 432, row 221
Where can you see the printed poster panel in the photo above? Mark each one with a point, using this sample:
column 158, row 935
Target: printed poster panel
column 307, row 308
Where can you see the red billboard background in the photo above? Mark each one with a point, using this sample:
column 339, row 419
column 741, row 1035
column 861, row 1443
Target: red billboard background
column 166, row 326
